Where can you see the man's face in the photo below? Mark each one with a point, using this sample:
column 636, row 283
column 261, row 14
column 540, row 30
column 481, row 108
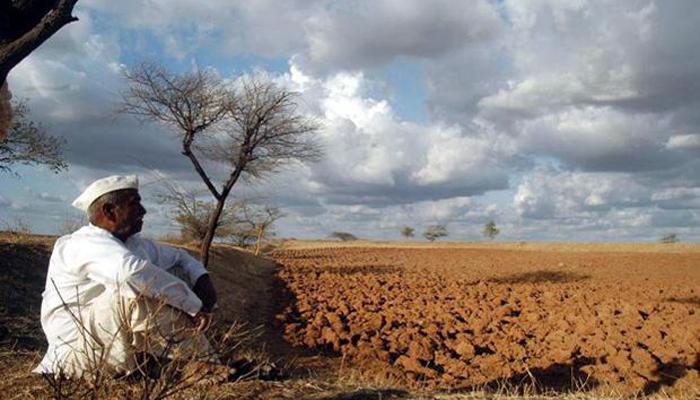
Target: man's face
column 129, row 214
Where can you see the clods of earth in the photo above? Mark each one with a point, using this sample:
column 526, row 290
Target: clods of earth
column 451, row 318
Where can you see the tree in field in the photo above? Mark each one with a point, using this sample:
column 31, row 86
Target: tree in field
column 29, row 144
column 253, row 223
column 24, row 26
column 670, row 238
column 435, row 232
column 252, row 127
column 407, row 232
column 490, row 230
column 343, row 236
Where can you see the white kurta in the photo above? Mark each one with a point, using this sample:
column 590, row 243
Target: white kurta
column 90, row 262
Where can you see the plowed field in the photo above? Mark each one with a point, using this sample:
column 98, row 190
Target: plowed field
column 452, row 318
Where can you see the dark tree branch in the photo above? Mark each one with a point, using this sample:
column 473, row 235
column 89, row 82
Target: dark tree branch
column 14, row 50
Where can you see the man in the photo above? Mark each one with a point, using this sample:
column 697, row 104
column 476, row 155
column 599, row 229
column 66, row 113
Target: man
column 111, row 295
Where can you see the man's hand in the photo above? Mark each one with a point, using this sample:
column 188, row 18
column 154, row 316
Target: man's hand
column 202, row 320
column 204, row 289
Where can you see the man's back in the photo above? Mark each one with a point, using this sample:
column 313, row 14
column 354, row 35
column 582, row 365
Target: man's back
column 91, row 261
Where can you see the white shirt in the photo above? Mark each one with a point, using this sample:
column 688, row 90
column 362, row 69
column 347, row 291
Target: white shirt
column 89, row 261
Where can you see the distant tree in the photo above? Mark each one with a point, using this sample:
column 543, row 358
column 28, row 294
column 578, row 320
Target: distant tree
column 670, row 238
column 490, row 230
column 407, row 232
column 252, row 223
column 29, row 144
column 251, row 126
column 435, row 232
column 344, row 236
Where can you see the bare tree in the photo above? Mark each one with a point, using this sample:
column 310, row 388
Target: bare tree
column 24, row 26
column 253, row 127
column 192, row 215
column 407, row 232
column 253, row 223
column 434, row 232
column 28, row 143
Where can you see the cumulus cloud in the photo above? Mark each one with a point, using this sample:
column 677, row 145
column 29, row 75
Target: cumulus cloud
column 73, row 85
column 606, row 91
column 375, row 157
column 599, row 139
column 546, row 193
column 362, row 34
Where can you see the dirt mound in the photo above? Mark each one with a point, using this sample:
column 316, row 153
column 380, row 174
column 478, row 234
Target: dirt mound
column 244, row 284
column 460, row 318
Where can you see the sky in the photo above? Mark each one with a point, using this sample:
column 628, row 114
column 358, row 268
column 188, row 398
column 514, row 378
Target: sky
column 566, row 120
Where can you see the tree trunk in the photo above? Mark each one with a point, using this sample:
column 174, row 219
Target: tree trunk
column 211, row 230
column 261, row 231
column 214, row 218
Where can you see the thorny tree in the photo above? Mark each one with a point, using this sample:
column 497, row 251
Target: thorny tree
column 253, row 126
column 28, row 144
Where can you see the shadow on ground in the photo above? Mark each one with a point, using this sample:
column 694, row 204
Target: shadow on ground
column 692, row 300
column 556, row 378
column 368, row 394
column 22, row 277
column 541, row 276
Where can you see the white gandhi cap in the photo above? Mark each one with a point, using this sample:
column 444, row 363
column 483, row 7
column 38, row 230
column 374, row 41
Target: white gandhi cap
column 104, row 186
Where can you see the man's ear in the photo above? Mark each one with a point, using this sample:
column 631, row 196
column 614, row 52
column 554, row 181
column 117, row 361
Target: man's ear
column 108, row 211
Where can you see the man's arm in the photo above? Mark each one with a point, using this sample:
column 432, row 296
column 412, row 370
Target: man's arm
column 204, row 289
column 145, row 278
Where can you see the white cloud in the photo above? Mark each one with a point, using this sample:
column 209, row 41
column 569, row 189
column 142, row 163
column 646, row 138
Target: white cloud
column 545, row 194
column 691, row 141
column 373, row 155
column 598, row 138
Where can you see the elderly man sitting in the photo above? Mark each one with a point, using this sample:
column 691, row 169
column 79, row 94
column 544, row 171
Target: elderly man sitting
column 111, row 295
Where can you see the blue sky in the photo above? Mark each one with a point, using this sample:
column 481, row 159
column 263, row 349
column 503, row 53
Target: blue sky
column 560, row 120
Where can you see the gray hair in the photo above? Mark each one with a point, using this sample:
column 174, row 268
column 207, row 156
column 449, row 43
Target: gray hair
column 116, row 197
